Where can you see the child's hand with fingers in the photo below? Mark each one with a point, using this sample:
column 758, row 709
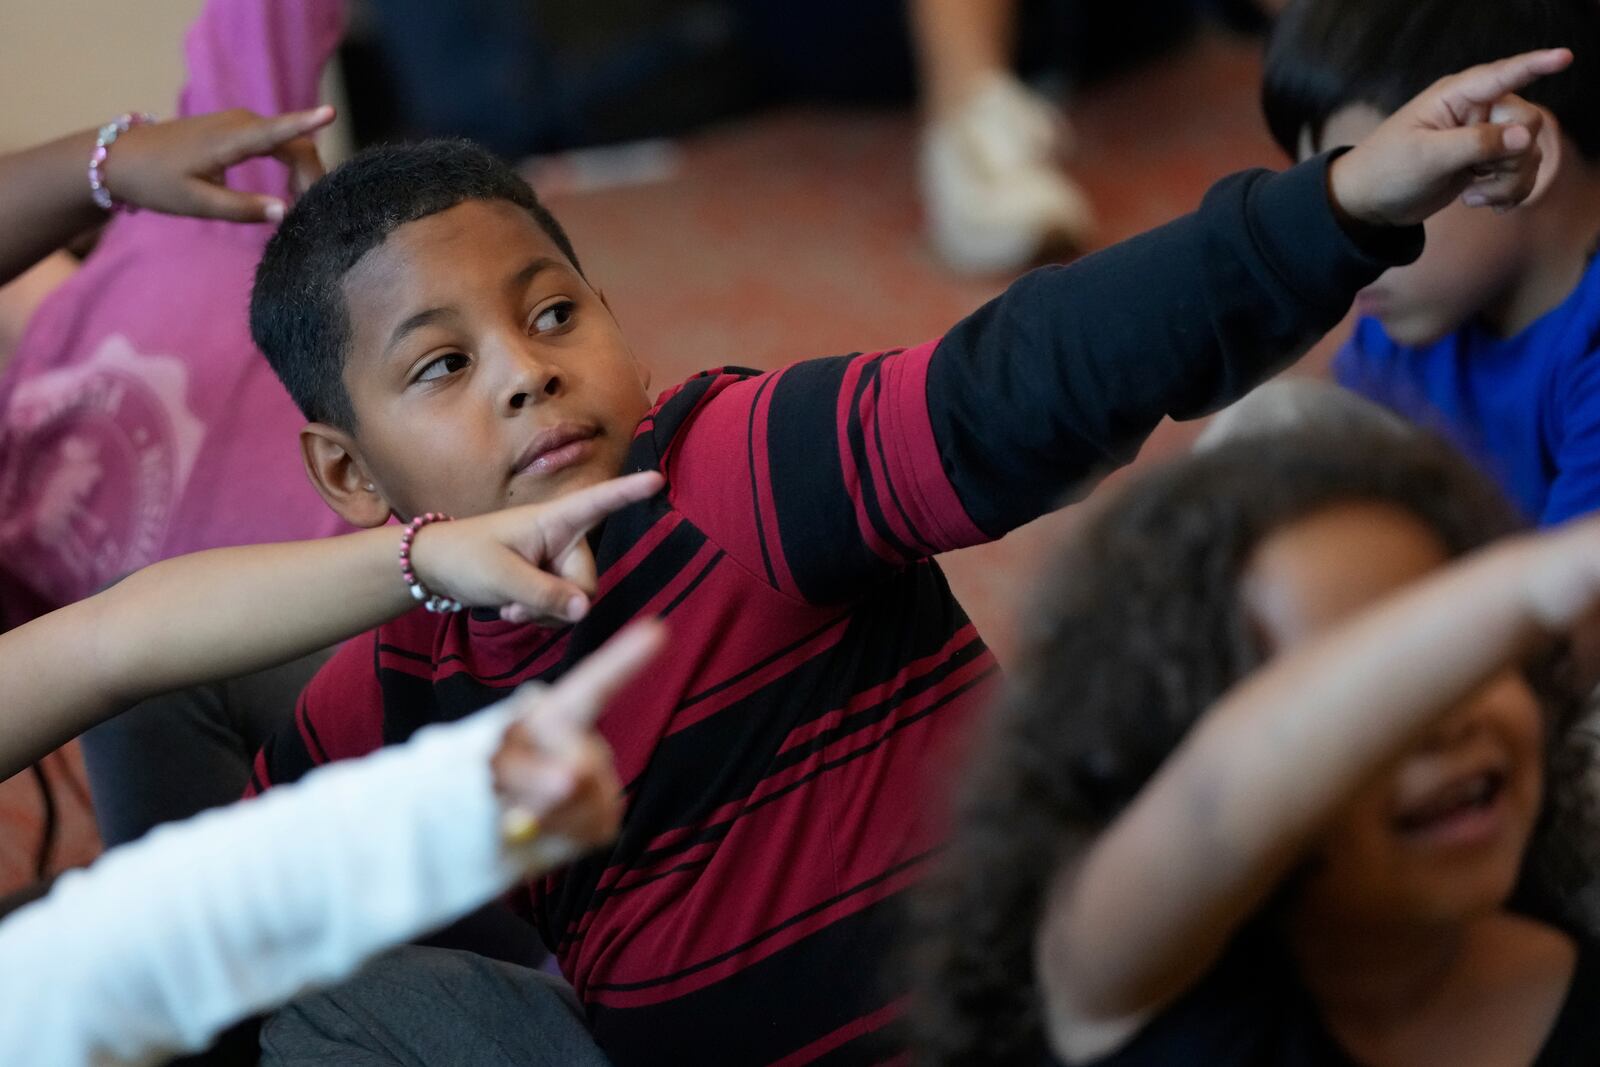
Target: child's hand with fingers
column 1468, row 135
column 531, row 562
column 178, row 167
column 553, row 772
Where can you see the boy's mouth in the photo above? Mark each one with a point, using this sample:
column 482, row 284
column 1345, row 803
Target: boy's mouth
column 556, row 449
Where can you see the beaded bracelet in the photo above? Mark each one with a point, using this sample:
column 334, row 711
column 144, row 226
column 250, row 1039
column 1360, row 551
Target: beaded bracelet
column 102, row 144
column 433, row 603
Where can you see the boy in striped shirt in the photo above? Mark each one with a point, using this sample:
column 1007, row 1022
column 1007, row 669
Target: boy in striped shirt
column 781, row 759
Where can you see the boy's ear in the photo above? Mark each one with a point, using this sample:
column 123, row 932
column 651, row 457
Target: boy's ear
column 339, row 475
column 1552, row 150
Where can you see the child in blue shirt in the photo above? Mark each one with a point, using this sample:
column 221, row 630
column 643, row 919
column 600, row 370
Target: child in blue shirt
column 1491, row 337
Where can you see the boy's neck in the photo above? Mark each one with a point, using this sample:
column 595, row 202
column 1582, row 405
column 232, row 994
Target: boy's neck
column 1562, row 230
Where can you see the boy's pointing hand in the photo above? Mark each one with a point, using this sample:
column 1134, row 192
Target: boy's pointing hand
column 1467, row 135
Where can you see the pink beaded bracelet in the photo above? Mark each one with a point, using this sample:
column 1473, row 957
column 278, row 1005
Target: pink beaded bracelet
column 430, row 601
column 97, row 162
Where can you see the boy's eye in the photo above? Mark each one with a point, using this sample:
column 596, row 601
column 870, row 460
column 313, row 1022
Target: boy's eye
column 439, row 368
column 554, row 317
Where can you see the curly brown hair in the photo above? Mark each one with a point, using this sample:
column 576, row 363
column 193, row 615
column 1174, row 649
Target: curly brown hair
column 1140, row 630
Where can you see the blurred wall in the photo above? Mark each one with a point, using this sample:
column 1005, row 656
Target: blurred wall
column 68, row 64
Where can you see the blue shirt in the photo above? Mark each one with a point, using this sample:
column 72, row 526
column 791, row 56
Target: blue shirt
column 1526, row 408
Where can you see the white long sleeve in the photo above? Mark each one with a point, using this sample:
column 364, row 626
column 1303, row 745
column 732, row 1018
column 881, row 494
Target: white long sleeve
column 164, row 943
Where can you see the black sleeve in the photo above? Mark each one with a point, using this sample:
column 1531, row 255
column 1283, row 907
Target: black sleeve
column 1065, row 374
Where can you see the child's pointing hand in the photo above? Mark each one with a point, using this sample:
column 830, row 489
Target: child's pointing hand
column 553, row 770
column 532, row 562
column 1467, row 135
column 178, row 167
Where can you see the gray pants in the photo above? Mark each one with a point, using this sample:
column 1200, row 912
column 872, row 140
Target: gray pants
column 432, row 1007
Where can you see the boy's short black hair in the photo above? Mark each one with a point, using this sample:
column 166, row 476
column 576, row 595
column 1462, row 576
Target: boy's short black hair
column 1329, row 54
column 297, row 310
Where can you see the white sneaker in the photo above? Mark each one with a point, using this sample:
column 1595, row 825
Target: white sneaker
column 995, row 196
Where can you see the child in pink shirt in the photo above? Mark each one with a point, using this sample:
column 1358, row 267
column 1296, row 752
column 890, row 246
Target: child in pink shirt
column 137, row 419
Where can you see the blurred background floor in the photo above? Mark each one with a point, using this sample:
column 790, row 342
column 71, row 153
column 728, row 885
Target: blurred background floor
column 798, row 234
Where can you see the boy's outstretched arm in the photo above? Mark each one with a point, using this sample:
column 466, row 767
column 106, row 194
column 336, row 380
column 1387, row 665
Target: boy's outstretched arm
column 1232, row 811
column 227, row 612
column 1064, row 375
column 821, row 477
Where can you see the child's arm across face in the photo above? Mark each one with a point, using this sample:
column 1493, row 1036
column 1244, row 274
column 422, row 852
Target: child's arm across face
column 230, row 611
column 1231, row 812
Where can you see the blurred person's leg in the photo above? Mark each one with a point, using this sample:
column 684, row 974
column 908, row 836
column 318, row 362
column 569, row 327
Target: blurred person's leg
column 420, row 1006
column 962, row 44
column 992, row 185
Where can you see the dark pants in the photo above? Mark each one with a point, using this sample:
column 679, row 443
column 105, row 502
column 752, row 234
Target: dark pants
column 430, row 1007
column 178, row 754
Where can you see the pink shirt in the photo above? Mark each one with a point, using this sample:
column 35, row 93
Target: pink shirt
column 137, row 419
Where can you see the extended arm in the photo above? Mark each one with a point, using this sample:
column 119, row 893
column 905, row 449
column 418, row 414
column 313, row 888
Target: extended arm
column 230, row 611
column 165, row 942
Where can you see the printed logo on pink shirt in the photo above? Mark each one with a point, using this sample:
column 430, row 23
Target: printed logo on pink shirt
column 93, row 461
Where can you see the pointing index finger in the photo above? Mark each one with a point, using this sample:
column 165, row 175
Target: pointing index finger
column 1483, row 85
column 267, row 135
column 576, row 701
column 569, row 517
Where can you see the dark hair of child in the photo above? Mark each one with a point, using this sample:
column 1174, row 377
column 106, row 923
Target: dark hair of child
column 1326, row 55
column 297, row 312
column 1140, row 631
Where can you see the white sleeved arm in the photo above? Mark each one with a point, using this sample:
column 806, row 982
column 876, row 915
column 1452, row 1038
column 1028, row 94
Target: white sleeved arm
column 164, row 943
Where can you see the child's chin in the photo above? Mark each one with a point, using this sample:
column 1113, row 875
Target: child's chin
column 1415, row 331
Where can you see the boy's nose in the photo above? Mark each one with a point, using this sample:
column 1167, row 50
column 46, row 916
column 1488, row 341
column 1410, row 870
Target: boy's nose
column 529, row 381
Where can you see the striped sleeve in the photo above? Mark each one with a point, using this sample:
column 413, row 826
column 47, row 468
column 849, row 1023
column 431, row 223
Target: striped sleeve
column 822, row 476
column 339, row 716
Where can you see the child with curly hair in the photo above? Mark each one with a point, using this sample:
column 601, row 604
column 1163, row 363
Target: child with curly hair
column 1279, row 782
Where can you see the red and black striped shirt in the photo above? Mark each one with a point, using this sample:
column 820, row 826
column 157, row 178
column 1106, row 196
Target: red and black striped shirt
column 777, row 758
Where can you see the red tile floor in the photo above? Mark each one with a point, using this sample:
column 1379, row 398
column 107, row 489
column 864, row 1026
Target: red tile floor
column 797, row 234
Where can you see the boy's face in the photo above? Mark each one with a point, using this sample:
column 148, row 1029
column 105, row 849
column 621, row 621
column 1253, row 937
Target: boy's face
column 483, row 370
column 1472, row 260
